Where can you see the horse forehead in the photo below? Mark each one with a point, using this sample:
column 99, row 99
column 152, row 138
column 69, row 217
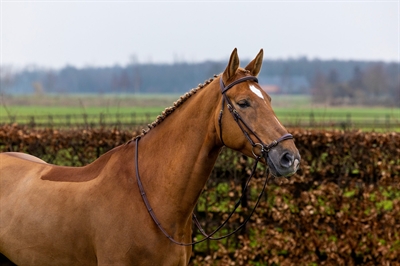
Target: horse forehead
column 256, row 91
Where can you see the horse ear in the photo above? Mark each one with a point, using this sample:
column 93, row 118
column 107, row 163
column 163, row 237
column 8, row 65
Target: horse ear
column 233, row 65
column 255, row 66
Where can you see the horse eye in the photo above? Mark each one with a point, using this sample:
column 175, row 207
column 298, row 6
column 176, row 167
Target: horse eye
column 243, row 104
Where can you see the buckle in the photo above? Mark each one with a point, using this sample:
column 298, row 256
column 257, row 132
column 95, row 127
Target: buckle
column 262, row 150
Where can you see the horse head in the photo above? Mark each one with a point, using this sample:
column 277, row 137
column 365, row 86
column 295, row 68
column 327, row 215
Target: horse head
column 253, row 127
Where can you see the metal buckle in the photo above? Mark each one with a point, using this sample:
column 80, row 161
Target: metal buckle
column 262, row 150
column 273, row 144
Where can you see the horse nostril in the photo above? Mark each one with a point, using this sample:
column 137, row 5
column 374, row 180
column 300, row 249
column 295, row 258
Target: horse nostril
column 287, row 160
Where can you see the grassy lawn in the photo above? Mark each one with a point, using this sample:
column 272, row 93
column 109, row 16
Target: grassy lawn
column 65, row 110
column 291, row 110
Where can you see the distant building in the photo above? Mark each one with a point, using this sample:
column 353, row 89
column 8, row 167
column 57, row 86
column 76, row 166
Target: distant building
column 271, row 89
column 284, row 84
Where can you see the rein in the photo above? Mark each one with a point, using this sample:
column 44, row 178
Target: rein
column 196, row 221
column 264, row 152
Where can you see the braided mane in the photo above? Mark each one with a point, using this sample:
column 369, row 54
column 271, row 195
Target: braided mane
column 171, row 109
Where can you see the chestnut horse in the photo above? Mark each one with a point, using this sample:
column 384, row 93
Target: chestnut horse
column 95, row 215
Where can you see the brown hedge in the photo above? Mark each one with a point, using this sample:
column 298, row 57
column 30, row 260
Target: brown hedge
column 341, row 208
column 339, row 156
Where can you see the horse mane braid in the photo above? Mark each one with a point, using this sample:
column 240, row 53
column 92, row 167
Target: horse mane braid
column 171, row 109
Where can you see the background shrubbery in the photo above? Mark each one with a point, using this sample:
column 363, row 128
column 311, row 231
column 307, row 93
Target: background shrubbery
column 341, row 208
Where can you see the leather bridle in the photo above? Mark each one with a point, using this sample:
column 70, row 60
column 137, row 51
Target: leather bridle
column 264, row 152
column 241, row 123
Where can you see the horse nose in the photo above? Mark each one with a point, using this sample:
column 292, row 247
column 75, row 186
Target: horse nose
column 288, row 161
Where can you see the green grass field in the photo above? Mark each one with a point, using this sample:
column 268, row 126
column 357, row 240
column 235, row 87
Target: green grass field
column 140, row 109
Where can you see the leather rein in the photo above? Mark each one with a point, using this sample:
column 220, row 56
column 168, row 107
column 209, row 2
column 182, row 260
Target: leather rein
column 264, row 152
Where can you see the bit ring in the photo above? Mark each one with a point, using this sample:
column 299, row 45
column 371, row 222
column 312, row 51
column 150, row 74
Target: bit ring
column 262, row 150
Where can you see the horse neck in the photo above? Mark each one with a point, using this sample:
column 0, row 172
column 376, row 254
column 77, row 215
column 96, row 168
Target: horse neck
column 177, row 157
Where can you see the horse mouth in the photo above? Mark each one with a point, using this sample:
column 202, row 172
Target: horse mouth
column 283, row 173
column 272, row 168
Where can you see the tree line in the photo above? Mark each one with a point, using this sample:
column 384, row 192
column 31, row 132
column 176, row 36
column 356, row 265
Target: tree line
column 328, row 81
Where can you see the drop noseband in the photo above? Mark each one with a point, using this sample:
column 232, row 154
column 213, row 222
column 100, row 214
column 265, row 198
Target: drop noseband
column 264, row 151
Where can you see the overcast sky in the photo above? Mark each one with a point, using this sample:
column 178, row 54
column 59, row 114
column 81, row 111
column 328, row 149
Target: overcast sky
column 105, row 33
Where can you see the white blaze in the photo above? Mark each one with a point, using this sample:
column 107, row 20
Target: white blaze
column 259, row 94
column 256, row 91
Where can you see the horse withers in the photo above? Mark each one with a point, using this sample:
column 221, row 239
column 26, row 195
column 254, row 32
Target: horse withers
column 95, row 214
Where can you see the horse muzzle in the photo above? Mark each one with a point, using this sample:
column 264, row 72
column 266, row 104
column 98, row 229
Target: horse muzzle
column 283, row 162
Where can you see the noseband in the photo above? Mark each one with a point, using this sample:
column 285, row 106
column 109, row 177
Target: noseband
column 241, row 123
column 264, row 151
